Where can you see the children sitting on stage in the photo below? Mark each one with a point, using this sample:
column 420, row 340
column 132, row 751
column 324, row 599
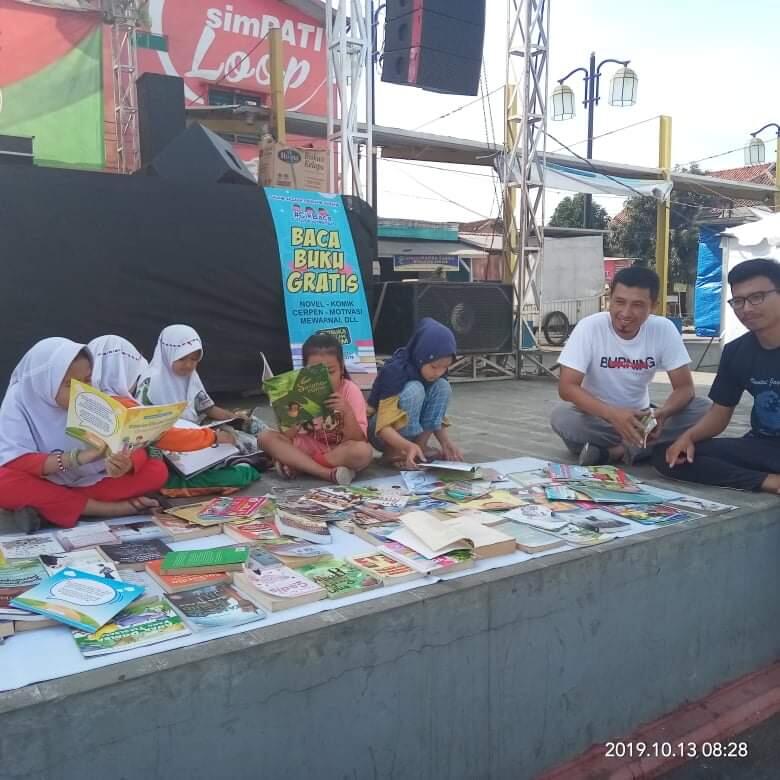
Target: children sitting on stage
column 44, row 473
column 117, row 367
column 409, row 399
column 337, row 449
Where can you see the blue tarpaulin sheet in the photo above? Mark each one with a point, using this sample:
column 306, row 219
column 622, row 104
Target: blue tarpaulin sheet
column 708, row 283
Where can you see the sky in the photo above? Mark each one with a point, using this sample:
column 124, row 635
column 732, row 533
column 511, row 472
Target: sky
column 709, row 64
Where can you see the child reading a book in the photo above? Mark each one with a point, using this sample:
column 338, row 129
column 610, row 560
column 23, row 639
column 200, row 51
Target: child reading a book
column 172, row 376
column 409, row 399
column 336, row 448
column 46, row 474
column 116, row 370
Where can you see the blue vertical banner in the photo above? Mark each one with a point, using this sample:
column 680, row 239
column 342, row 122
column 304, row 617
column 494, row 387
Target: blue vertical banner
column 323, row 287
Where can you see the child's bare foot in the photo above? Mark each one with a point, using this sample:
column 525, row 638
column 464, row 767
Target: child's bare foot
column 341, row 475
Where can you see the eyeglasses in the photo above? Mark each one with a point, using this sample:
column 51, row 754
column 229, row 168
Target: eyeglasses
column 754, row 299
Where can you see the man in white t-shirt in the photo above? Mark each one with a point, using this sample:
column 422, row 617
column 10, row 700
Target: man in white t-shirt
column 607, row 366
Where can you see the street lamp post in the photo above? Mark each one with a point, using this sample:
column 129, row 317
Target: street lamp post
column 622, row 93
column 755, row 154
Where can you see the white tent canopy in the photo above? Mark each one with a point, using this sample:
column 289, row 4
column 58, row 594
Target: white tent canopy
column 746, row 242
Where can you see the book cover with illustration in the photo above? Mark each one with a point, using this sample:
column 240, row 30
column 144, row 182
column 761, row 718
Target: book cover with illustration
column 299, row 396
column 310, row 529
column 144, row 622
column 28, row 546
column 215, row 606
column 105, row 424
column 17, row 576
column 385, row 568
column 78, row 599
column 278, row 588
column 251, row 531
column 340, row 578
column 226, row 509
column 135, row 555
column 90, row 559
column 176, row 583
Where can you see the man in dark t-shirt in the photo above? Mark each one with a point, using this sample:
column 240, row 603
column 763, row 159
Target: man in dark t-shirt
column 750, row 362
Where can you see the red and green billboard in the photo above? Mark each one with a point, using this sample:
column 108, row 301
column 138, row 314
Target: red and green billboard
column 51, row 82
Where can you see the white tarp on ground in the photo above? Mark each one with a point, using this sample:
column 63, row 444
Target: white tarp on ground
column 746, row 242
column 46, row 654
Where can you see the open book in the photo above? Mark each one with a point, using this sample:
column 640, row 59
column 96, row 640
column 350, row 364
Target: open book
column 466, row 532
column 105, row 424
column 299, row 396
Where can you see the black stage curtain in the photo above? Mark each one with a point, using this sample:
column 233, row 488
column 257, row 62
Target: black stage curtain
column 84, row 254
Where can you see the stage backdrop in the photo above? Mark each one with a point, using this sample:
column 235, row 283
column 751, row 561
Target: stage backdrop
column 85, row 254
column 51, row 82
column 321, row 279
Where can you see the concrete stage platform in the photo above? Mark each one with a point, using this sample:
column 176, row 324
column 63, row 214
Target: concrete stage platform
column 501, row 674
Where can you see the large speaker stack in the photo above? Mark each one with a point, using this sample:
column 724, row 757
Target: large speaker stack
column 478, row 313
column 170, row 151
column 434, row 44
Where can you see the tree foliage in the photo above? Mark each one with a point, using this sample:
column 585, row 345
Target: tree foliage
column 570, row 212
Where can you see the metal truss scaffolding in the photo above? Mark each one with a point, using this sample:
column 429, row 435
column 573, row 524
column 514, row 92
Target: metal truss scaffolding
column 349, row 42
column 525, row 144
column 123, row 16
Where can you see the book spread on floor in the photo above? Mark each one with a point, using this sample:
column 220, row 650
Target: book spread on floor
column 340, row 578
column 78, row 599
column 135, row 555
column 175, row 583
column 148, row 620
column 214, row 559
column 190, row 464
column 28, row 546
column 278, row 588
column 103, row 423
column 441, row 536
column 298, row 397
column 17, row 576
column 251, row 531
column 385, row 568
column 86, row 535
column 90, row 559
column 175, row 529
column 528, row 538
column 309, row 529
column 226, row 509
column 215, row 606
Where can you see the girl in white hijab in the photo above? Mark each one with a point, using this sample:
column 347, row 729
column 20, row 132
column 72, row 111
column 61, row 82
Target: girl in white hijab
column 42, row 469
column 116, row 365
column 172, row 376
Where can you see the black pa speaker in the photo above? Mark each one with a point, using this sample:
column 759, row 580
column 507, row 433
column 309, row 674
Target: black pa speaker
column 199, row 155
column 478, row 313
column 160, row 113
column 434, row 44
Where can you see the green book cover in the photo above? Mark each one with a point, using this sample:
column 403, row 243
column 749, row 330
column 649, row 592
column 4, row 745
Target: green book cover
column 299, row 396
column 339, row 578
column 214, row 556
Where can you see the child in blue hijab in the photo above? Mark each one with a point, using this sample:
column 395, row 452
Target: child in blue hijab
column 410, row 397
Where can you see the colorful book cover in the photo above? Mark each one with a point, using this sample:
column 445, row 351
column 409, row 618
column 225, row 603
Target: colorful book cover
column 560, row 493
column 89, row 559
column 103, row 423
column 298, row 397
column 78, row 599
column 496, row 501
column 385, row 568
column 176, row 529
column 175, row 582
column 308, row 528
column 17, row 576
column 214, row 557
column 280, row 583
column 144, row 622
column 29, row 546
column 562, row 471
column 612, row 495
column 658, row 514
column 227, row 509
column 215, row 606
column 252, row 530
column 340, row 578
column 441, row 564
column 581, row 537
column 336, row 499
column 421, row 482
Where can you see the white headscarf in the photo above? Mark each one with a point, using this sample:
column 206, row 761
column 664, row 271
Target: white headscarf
column 31, row 421
column 160, row 385
column 116, row 365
